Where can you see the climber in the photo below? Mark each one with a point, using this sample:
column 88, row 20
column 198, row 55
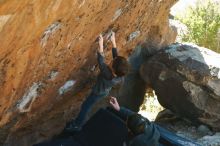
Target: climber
column 108, row 77
column 143, row 132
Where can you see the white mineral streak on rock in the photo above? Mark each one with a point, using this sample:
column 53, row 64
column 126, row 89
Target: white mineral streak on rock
column 134, row 35
column 53, row 74
column 24, row 105
column 3, row 20
column 117, row 14
column 66, row 87
column 49, row 31
column 82, row 2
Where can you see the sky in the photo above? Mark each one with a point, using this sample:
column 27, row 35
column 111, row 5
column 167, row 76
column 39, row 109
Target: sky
column 181, row 6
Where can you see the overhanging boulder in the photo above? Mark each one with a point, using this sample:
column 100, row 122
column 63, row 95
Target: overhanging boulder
column 48, row 57
column 186, row 79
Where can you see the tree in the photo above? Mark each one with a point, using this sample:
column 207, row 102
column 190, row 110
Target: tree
column 203, row 23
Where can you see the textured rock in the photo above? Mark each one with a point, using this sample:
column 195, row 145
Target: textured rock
column 186, row 79
column 181, row 29
column 48, row 61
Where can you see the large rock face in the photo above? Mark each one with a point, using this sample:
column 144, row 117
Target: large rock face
column 48, row 61
column 186, row 79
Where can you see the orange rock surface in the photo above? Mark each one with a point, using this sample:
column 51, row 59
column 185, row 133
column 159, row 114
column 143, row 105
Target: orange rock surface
column 48, row 56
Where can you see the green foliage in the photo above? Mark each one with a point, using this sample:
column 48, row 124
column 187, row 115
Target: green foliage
column 203, row 23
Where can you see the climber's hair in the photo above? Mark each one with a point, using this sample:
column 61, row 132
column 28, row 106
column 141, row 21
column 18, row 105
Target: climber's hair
column 120, row 66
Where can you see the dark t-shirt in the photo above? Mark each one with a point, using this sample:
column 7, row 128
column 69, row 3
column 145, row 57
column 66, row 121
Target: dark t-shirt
column 105, row 80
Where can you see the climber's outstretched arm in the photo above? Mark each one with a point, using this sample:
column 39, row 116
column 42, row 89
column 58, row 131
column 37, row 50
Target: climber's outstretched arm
column 100, row 49
column 114, row 46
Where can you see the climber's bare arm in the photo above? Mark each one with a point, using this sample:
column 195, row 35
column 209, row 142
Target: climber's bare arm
column 100, row 49
column 113, row 39
column 100, row 56
column 114, row 46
